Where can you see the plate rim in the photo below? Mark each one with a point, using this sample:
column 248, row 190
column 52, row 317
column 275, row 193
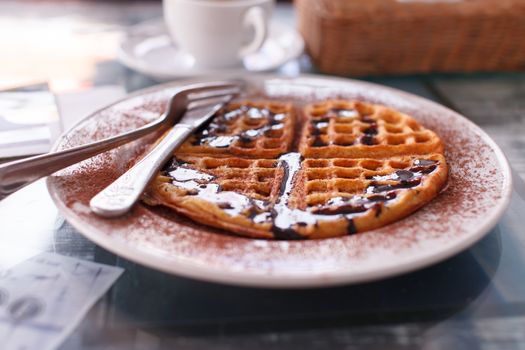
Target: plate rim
column 249, row 278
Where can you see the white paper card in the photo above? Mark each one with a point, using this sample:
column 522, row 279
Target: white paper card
column 44, row 298
column 28, row 121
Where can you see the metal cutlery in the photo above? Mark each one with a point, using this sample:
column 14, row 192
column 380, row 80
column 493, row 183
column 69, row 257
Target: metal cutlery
column 17, row 174
column 121, row 195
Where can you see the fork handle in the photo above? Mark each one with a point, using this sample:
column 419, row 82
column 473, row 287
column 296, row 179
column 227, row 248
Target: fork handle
column 121, row 195
column 17, row 174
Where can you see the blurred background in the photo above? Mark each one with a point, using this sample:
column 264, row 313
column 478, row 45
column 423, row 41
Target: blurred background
column 71, row 44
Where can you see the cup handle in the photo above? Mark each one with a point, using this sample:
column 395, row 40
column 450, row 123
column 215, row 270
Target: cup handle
column 256, row 18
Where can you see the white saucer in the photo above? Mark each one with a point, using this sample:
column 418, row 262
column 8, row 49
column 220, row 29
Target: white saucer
column 149, row 50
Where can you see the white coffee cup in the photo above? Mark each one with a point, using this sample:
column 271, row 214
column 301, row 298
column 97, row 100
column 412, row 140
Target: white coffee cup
column 218, row 33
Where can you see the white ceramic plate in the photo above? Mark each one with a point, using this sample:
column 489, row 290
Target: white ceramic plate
column 149, row 50
column 477, row 193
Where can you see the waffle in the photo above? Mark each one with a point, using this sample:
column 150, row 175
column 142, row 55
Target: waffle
column 251, row 129
column 347, row 167
column 372, row 131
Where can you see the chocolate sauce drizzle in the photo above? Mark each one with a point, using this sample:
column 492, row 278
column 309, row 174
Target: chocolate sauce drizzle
column 317, row 128
column 285, row 220
column 318, row 125
column 369, row 133
column 212, row 134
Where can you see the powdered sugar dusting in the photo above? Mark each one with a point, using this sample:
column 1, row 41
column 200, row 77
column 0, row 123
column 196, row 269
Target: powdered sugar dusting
column 477, row 191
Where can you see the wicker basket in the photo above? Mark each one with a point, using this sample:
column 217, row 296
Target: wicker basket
column 363, row 37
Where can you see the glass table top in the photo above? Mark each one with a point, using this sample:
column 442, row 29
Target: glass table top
column 475, row 299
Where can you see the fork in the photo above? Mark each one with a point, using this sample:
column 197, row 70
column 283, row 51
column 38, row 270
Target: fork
column 121, row 195
column 17, row 174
